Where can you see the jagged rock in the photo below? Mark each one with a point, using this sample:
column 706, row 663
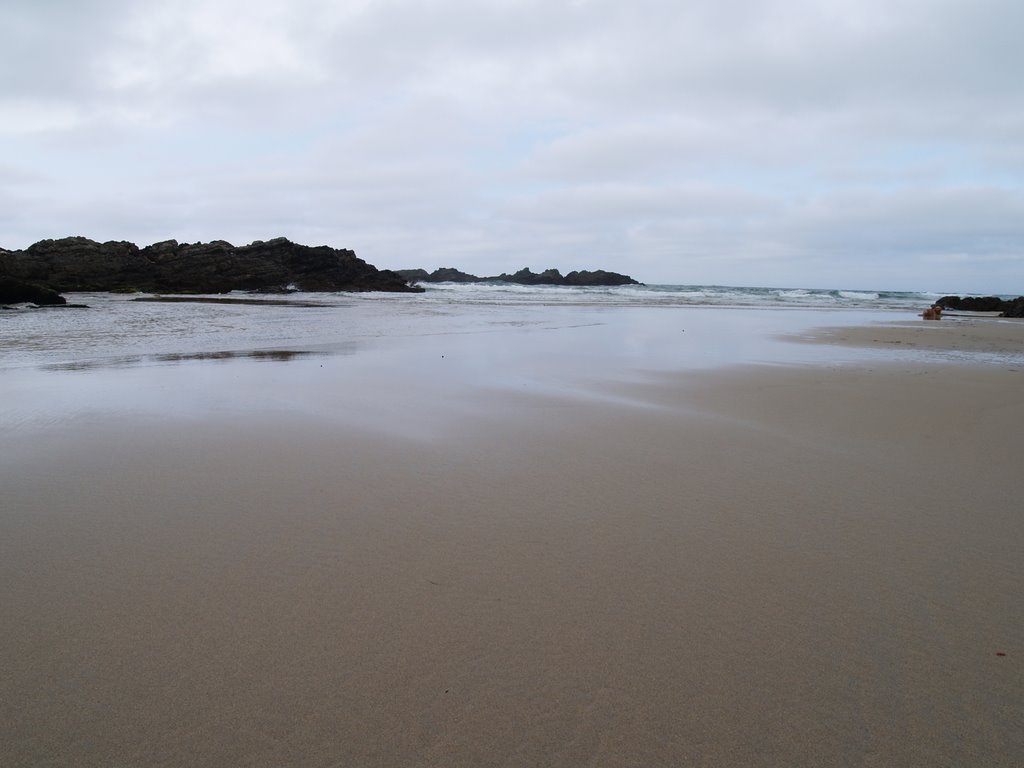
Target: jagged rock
column 598, row 277
column 1015, row 308
column 75, row 264
column 452, row 275
column 414, row 275
column 527, row 277
column 580, row 278
column 80, row 264
column 14, row 291
column 971, row 303
column 441, row 275
column 1007, row 307
column 522, row 277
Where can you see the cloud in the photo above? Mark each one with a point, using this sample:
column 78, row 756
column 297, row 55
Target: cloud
column 779, row 142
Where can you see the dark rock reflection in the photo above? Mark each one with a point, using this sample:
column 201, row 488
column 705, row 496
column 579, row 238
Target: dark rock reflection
column 258, row 355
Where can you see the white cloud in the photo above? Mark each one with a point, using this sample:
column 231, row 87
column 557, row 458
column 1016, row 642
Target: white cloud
column 779, row 141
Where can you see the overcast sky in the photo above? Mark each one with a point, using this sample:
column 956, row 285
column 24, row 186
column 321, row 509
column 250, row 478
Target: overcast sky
column 801, row 143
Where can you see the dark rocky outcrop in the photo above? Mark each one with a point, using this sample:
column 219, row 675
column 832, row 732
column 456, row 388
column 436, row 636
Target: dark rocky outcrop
column 527, row 277
column 441, row 275
column 80, row 264
column 522, row 277
column 14, row 291
column 415, row 275
column 1006, row 307
column 599, row 277
column 452, row 275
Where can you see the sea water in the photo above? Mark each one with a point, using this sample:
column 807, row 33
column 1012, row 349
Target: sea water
column 392, row 357
column 686, row 296
column 117, row 330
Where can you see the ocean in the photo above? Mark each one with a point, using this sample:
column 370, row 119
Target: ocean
column 120, row 330
column 687, row 296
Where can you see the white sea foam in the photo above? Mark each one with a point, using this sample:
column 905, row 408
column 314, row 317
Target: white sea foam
column 681, row 295
column 859, row 295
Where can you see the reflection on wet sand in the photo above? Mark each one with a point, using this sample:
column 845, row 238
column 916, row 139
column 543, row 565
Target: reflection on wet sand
column 232, row 300
column 127, row 361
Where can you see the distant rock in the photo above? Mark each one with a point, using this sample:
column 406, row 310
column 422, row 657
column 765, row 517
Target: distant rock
column 14, row 291
column 526, row 277
column 599, row 277
column 414, row 275
column 1006, row 307
column 522, row 277
column 442, row 275
column 80, row 264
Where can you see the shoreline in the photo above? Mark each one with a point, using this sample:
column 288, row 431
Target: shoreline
column 779, row 565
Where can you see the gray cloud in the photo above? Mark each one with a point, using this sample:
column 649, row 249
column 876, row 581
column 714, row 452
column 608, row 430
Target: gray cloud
column 867, row 144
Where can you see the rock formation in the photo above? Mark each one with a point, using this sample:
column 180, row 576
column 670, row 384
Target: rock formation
column 80, row 264
column 442, row 275
column 522, row 277
column 1006, row 307
column 14, row 291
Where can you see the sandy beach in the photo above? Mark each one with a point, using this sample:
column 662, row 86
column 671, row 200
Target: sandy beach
column 772, row 565
column 954, row 334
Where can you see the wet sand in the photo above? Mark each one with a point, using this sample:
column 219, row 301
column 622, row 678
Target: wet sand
column 954, row 334
column 772, row 565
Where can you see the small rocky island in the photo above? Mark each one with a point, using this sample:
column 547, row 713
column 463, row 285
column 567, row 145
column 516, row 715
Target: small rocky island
column 50, row 267
column 522, row 277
